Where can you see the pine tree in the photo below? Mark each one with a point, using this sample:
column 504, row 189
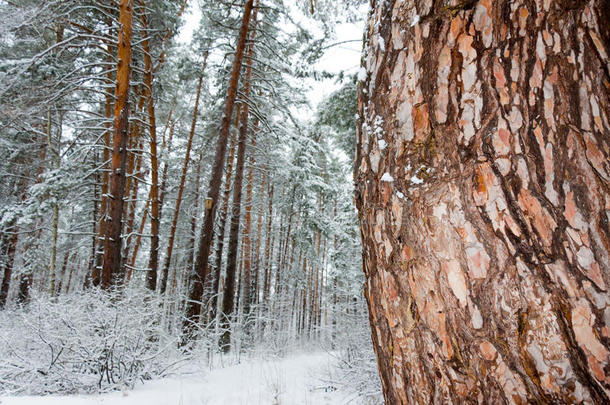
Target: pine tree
column 112, row 266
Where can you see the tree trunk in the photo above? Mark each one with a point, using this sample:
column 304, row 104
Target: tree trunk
column 134, row 167
column 23, row 293
column 185, row 166
column 247, row 235
column 69, row 282
column 92, row 265
column 193, row 308
column 113, row 224
column 103, row 211
column 232, row 254
column 222, row 225
column 55, row 226
column 163, row 188
column 268, row 263
column 136, row 247
column 64, row 267
column 195, row 211
column 153, row 262
column 484, row 211
column 9, row 246
column 256, row 287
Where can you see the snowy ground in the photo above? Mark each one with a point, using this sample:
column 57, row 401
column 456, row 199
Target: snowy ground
column 296, row 380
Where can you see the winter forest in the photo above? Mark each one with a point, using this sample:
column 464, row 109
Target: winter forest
column 304, row 202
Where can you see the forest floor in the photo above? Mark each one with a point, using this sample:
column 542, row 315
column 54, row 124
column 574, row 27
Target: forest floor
column 298, row 379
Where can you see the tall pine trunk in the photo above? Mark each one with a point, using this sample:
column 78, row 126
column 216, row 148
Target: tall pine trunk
column 96, row 275
column 256, row 258
column 114, row 221
column 228, row 304
column 247, row 235
column 153, row 261
column 197, row 280
column 195, row 211
column 484, row 211
column 269, row 240
column 8, row 247
column 222, row 226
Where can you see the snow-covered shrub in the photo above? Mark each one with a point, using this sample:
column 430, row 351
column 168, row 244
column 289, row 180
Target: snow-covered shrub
column 357, row 360
column 85, row 342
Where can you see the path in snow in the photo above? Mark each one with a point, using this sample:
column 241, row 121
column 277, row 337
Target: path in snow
column 295, row 380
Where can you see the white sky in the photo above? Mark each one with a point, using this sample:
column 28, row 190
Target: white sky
column 344, row 57
column 192, row 17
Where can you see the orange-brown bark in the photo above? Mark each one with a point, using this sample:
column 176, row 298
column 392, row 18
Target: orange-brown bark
column 114, row 220
column 482, row 183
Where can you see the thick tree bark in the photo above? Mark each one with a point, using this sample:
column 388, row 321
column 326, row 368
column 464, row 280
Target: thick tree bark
column 113, row 224
column 185, row 166
column 482, row 183
column 193, row 308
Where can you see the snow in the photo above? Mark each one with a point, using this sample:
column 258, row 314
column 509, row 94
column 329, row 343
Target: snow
column 415, row 20
column 297, row 379
column 362, row 74
column 416, row 180
column 387, row 177
column 382, row 144
column 336, row 59
column 191, row 21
